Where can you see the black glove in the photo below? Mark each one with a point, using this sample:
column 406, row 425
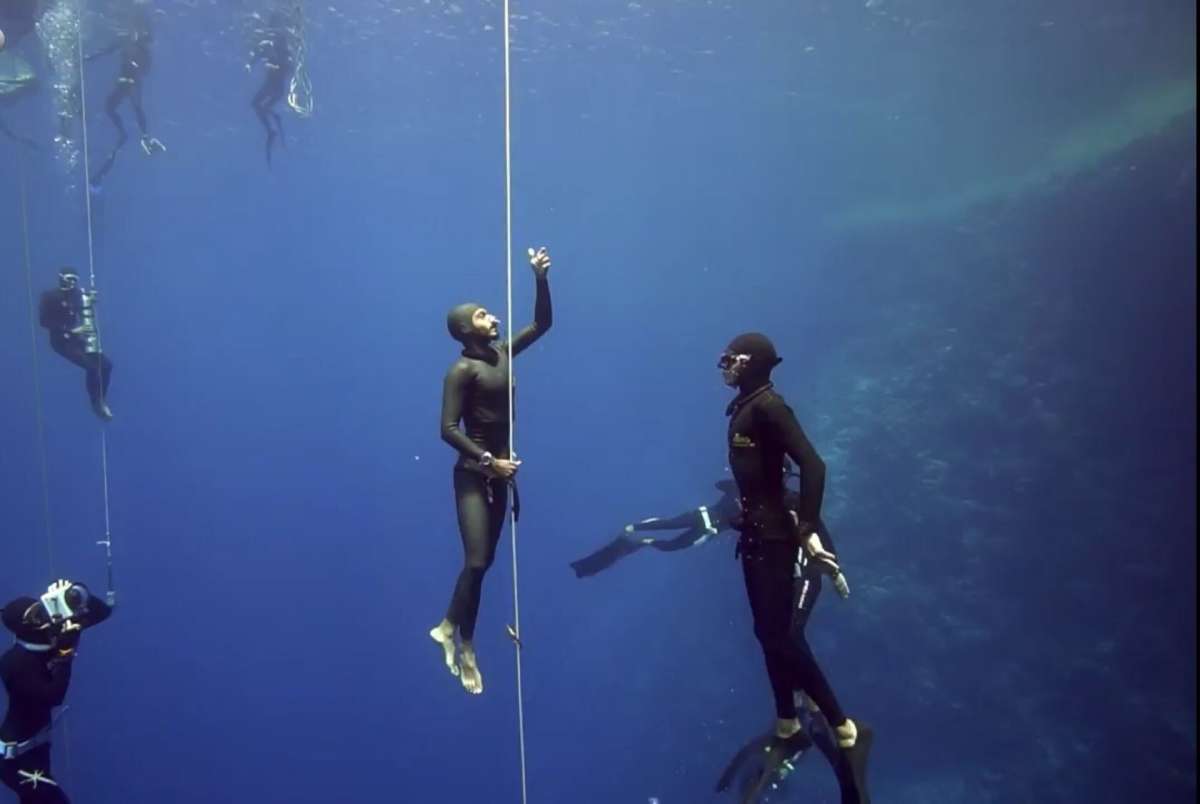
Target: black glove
column 67, row 641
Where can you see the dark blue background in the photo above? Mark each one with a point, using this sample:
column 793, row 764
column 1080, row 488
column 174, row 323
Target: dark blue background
column 970, row 230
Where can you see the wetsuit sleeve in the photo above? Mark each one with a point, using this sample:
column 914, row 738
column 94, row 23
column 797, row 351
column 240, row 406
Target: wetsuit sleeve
column 454, row 395
column 14, row 610
column 97, row 612
column 781, row 424
column 45, row 689
column 543, row 318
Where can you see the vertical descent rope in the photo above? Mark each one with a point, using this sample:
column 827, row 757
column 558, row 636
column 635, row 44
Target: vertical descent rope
column 508, row 251
column 106, row 543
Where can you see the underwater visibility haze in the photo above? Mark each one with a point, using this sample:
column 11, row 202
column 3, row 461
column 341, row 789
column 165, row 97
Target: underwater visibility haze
column 968, row 228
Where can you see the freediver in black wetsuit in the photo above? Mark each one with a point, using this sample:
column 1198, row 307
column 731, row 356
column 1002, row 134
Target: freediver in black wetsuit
column 275, row 52
column 697, row 526
column 69, row 314
column 36, row 673
column 785, row 551
column 476, row 393
column 134, row 45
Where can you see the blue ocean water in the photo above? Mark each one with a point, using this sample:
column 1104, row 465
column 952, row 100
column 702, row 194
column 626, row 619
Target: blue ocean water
column 968, row 227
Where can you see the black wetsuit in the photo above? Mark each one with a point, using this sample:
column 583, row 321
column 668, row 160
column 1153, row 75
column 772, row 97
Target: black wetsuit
column 276, row 56
column 36, row 683
column 762, row 429
column 59, row 313
column 135, row 66
column 691, row 523
column 476, row 393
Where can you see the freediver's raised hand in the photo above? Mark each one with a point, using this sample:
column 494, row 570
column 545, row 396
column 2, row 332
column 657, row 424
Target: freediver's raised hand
column 540, row 260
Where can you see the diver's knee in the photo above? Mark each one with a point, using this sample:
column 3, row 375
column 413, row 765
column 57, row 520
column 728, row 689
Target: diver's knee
column 480, row 565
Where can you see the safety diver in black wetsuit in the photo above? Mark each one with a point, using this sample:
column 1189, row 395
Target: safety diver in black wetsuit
column 69, row 314
column 134, row 45
column 36, row 673
column 274, row 51
column 697, row 526
column 785, row 551
column 475, row 392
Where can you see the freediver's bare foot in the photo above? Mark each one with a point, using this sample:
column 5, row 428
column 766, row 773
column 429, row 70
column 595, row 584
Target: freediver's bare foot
column 785, row 729
column 472, row 680
column 443, row 634
column 847, row 734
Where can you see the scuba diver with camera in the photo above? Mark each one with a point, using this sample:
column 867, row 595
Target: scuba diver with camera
column 69, row 313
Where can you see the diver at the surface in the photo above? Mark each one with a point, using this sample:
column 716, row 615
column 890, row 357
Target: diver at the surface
column 475, row 393
column 274, row 50
column 785, row 551
column 134, row 45
column 36, row 673
column 69, row 313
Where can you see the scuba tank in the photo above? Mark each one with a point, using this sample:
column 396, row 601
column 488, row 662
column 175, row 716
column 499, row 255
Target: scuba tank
column 83, row 305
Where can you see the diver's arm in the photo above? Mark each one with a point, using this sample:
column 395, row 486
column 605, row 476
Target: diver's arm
column 782, row 424
column 97, row 612
column 454, row 392
column 543, row 318
column 543, row 315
